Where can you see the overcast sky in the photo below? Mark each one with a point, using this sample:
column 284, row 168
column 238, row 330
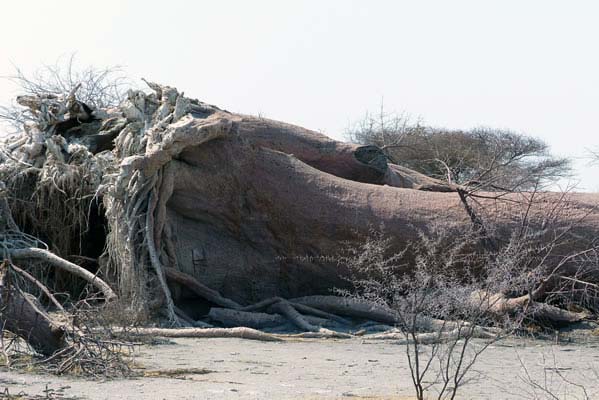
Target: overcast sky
column 529, row 66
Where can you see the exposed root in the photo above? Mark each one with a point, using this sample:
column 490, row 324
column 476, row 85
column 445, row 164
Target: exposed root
column 155, row 261
column 499, row 304
column 319, row 313
column 279, row 312
column 293, row 316
column 257, row 320
column 261, row 304
column 200, row 289
column 350, row 307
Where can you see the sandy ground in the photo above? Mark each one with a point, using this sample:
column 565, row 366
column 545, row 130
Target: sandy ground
column 319, row 369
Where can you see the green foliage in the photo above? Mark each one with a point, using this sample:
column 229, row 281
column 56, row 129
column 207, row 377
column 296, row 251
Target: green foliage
column 484, row 158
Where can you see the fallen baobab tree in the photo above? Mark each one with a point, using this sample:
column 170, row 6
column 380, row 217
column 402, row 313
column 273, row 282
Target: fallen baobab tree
column 170, row 205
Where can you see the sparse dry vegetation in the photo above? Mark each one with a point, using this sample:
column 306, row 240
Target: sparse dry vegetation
column 444, row 292
column 131, row 216
column 484, row 159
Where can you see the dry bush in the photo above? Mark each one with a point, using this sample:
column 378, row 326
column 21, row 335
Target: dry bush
column 90, row 347
column 555, row 381
column 99, row 87
column 429, row 287
column 447, row 289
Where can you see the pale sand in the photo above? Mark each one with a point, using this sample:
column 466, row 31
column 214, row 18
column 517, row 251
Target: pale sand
column 318, row 369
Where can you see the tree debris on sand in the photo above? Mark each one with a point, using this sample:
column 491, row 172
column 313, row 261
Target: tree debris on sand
column 216, row 224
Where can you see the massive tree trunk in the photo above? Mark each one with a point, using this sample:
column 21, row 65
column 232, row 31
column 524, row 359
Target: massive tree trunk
column 255, row 208
column 235, row 209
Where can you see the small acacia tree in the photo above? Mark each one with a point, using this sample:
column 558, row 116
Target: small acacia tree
column 482, row 158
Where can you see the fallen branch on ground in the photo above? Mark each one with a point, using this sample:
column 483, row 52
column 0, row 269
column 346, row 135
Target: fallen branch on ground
column 239, row 332
column 51, row 258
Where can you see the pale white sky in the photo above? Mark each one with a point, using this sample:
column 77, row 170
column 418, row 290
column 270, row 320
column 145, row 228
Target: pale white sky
column 530, row 66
